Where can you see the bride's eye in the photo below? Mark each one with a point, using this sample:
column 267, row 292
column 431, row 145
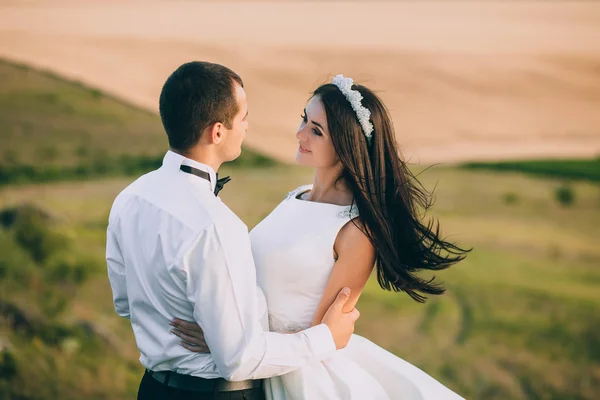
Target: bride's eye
column 303, row 116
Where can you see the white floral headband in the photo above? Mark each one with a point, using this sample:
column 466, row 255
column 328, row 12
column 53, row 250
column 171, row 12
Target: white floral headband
column 355, row 98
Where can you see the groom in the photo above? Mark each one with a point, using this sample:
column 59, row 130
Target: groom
column 174, row 249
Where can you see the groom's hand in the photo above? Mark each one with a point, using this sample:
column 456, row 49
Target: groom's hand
column 191, row 335
column 340, row 323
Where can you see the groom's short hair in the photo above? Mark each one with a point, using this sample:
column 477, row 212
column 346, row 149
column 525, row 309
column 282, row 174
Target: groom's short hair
column 197, row 95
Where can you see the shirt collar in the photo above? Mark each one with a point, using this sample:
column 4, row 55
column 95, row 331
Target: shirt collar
column 172, row 161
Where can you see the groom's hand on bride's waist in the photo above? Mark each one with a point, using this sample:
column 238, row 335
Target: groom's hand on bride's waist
column 191, row 335
column 339, row 322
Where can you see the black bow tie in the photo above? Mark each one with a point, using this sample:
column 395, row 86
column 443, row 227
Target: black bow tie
column 220, row 183
column 205, row 175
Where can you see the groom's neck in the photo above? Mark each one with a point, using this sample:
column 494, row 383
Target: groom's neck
column 203, row 154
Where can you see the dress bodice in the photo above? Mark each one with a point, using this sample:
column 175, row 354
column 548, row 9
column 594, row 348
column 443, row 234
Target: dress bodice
column 294, row 256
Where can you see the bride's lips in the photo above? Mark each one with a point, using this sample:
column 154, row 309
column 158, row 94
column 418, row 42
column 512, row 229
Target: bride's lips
column 302, row 149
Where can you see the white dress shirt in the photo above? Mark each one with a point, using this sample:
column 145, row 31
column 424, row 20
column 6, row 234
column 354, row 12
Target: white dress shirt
column 174, row 250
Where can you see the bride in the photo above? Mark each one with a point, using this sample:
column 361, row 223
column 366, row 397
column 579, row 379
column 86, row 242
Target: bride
column 361, row 212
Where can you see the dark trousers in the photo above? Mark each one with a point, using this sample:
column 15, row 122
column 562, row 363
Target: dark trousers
column 151, row 389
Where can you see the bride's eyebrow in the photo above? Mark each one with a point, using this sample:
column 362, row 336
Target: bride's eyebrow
column 318, row 124
column 314, row 122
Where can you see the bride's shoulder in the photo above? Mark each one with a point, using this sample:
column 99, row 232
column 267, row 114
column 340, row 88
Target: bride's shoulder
column 353, row 240
column 297, row 191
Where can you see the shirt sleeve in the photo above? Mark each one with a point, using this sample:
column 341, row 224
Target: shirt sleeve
column 116, row 273
column 222, row 287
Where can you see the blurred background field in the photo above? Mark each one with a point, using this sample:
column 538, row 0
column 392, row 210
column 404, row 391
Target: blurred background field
column 464, row 80
column 520, row 320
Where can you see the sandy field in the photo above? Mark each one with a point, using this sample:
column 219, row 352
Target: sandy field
column 479, row 80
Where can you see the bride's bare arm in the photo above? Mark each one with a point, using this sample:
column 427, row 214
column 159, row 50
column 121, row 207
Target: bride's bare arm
column 355, row 261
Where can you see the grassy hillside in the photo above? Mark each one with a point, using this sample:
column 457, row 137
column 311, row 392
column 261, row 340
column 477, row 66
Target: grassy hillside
column 520, row 319
column 52, row 129
column 566, row 169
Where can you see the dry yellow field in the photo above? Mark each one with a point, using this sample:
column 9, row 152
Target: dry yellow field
column 464, row 80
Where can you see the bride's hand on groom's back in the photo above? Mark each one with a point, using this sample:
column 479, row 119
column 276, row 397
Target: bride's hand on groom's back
column 191, row 335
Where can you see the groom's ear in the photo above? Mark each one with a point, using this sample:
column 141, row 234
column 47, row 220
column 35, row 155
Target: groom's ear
column 215, row 133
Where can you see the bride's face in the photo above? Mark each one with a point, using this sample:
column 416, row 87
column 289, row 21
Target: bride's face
column 314, row 141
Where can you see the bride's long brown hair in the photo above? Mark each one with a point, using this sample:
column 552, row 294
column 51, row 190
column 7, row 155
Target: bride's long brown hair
column 389, row 197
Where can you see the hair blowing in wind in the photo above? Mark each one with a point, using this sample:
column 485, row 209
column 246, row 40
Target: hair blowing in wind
column 391, row 201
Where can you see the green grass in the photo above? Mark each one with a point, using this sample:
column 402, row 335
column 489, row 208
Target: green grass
column 567, row 169
column 52, row 129
column 520, row 319
column 45, row 120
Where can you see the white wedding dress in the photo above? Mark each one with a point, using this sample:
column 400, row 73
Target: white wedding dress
column 293, row 252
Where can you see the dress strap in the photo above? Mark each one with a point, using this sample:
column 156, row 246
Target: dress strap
column 349, row 212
